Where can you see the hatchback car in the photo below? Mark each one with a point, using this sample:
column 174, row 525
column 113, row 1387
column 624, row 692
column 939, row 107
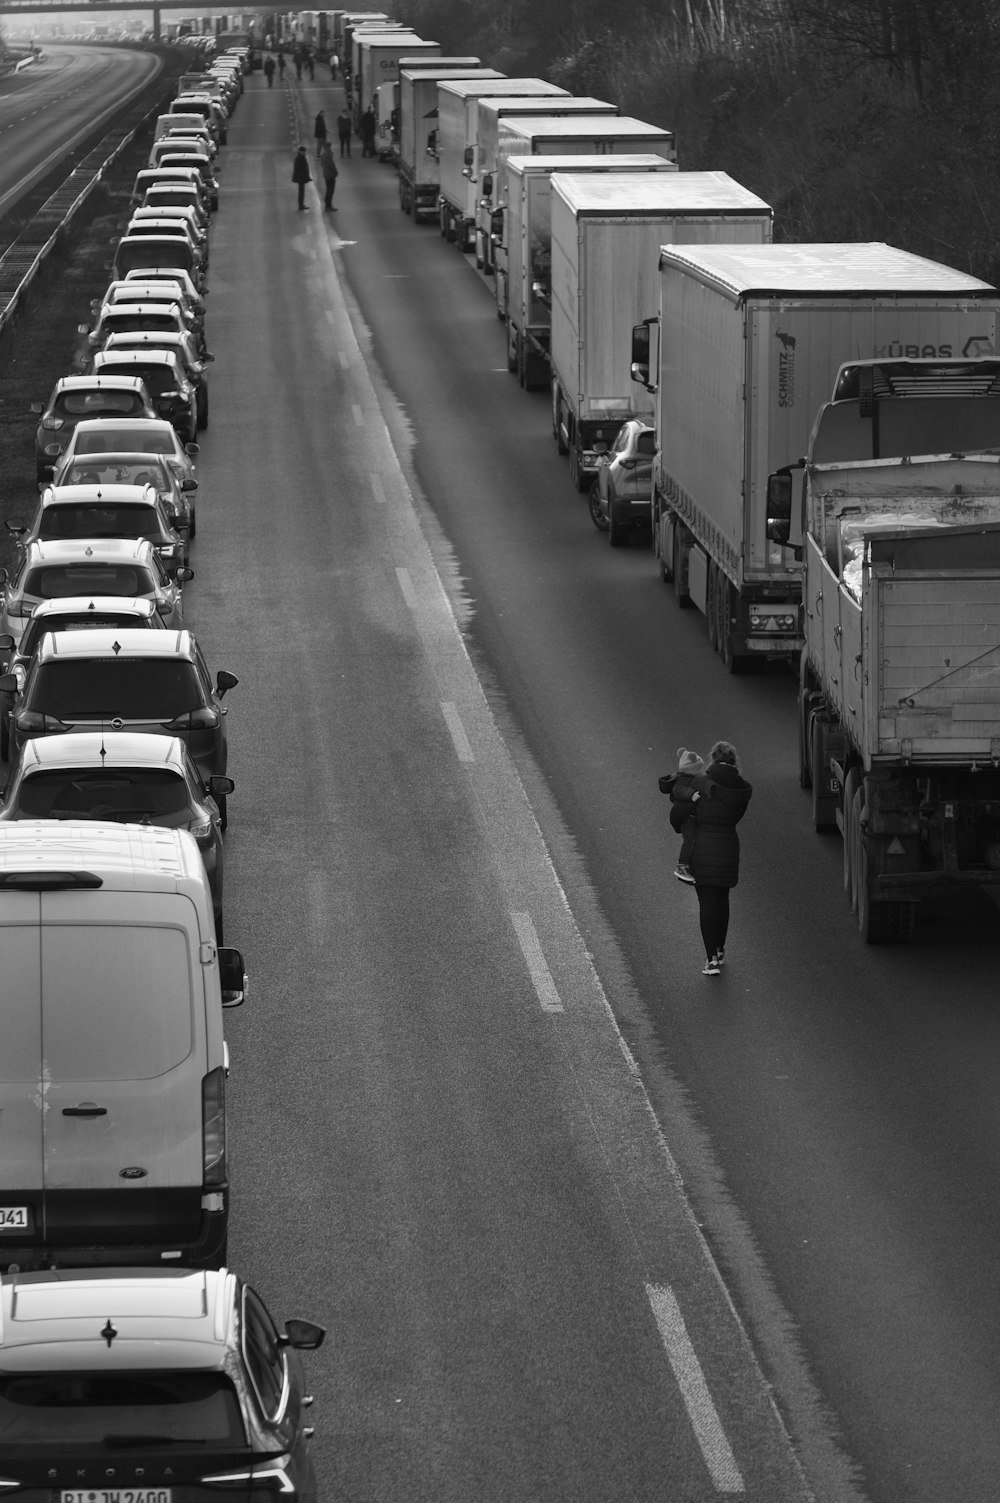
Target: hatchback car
column 193, row 360
column 137, row 469
column 141, row 435
column 125, row 318
column 169, row 389
column 150, row 251
column 101, row 566
column 150, row 1384
column 155, row 290
column 153, row 681
column 177, row 196
column 74, row 398
column 151, row 177
column 70, row 613
column 130, row 779
column 103, row 511
column 174, row 154
column 173, row 214
column 621, row 494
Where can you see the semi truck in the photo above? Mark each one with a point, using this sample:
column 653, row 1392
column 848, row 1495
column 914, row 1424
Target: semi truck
column 607, row 231
column 493, row 116
column 744, row 349
column 898, row 521
column 419, row 172
column 455, row 147
column 522, row 248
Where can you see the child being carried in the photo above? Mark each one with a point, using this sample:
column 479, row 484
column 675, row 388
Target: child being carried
column 684, row 794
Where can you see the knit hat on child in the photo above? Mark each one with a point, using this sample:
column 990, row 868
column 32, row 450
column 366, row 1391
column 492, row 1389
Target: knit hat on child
column 689, row 761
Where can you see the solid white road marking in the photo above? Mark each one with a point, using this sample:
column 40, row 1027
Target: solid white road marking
column 454, row 724
column 359, row 416
column 702, row 1413
column 377, row 489
column 541, row 976
column 406, row 585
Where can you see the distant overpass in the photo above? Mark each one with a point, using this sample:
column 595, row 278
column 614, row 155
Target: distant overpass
column 11, row 8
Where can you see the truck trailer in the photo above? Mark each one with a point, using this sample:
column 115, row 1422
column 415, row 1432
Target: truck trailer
column 377, row 56
column 458, row 129
column 607, row 232
column 419, row 174
column 744, row 349
column 523, row 248
column 898, row 519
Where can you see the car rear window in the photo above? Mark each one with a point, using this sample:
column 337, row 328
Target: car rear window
column 100, row 522
column 123, row 688
column 128, row 323
column 155, row 378
column 150, row 252
column 50, row 582
column 119, row 793
column 107, row 438
column 99, row 404
column 646, row 444
column 115, row 472
column 70, row 1409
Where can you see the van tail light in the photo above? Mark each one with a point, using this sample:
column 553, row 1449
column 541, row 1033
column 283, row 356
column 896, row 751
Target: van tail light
column 271, row 1476
column 213, row 1126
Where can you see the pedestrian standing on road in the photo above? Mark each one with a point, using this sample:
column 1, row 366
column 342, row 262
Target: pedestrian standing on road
column 269, row 71
column 301, row 174
column 298, row 66
column 344, row 131
column 368, row 133
column 281, row 65
column 311, row 66
column 319, row 130
column 334, row 61
column 328, row 167
column 715, row 856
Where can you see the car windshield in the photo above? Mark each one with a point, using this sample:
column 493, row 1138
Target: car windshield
column 646, row 444
column 150, row 440
column 115, row 688
column 53, row 581
column 119, row 1409
column 99, row 403
column 39, row 625
column 138, row 795
column 67, row 521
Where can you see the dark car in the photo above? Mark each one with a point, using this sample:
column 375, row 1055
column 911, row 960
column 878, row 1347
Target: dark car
column 131, row 779
column 69, row 613
column 192, row 356
column 77, row 397
column 104, row 511
column 151, row 1384
column 154, row 681
column 135, row 468
column 621, row 494
column 170, row 391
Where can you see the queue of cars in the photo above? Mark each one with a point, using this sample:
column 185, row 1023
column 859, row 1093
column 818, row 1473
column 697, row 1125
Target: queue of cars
column 134, row 1367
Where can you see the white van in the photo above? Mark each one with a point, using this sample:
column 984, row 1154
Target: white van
column 113, row 1064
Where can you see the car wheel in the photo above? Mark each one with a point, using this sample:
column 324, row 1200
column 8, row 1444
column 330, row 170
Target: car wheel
column 222, row 801
column 203, row 411
column 597, row 514
column 193, row 528
column 617, row 533
column 5, row 738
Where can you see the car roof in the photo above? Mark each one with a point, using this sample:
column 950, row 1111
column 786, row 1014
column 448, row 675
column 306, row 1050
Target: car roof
column 104, row 749
column 125, row 858
column 154, row 356
column 162, row 288
column 75, row 605
column 140, row 425
column 111, row 494
column 98, row 383
column 104, row 550
column 115, row 642
column 157, row 339
column 124, row 456
column 115, row 311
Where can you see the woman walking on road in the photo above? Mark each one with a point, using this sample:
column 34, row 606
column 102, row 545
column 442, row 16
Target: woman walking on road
column 721, row 802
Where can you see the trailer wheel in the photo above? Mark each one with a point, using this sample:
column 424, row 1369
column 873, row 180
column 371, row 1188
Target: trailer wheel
column 805, row 705
column 852, row 787
column 712, row 602
column 658, row 552
column 561, row 444
column 678, row 572
column 577, row 473
column 824, row 816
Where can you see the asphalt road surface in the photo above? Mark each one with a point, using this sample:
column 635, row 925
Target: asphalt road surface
column 583, row 1223
column 47, row 108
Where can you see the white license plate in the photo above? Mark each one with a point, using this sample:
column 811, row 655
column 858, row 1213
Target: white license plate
column 118, row 1495
column 14, row 1219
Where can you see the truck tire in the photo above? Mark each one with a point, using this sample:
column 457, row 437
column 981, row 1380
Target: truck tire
column 806, row 700
column 678, row 572
column 852, row 787
column 557, row 433
column 823, row 802
column 712, row 604
column 658, row 553
column 577, row 473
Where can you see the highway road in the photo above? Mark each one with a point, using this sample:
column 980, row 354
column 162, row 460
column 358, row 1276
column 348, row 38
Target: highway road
column 583, row 1223
column 45, row 110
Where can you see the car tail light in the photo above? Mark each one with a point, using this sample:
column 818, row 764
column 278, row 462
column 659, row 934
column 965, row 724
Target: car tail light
column 205, row 719
column 36, row 720
column 52, row 423
column 213, row 1128
column 627, row 464
column 267, row 1477
column 202, row 831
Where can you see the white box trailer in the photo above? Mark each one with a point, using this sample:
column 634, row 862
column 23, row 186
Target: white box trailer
column 493, row 115
column 419, row 173
column 542, row 135
column 378, row 55
column 607, row 232
column 750, row 341
column 458, row 124
column 523, row 248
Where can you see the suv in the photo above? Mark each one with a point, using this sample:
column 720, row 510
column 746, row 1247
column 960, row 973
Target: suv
column 170, row 391
column 77, row 397
column 121, row 467
column 146, row 435
column 155, row 681
column 181, row 1387
column 621, row 495
column 185, row 346
column 98, row 566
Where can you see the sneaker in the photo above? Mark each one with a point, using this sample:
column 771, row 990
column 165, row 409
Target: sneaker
column 711, row 967
column 683, row 873
column 720, row 957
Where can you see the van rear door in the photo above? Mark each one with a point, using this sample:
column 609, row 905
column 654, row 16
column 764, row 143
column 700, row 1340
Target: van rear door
column 22, row 1094
column 123, row 1059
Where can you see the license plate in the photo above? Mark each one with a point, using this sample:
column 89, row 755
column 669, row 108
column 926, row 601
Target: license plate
column 118, row 1495
column 15, row 1218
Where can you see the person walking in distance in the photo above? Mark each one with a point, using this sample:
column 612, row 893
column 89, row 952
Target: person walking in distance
column 281, row 65
column 269, row 71
column 344, row 131
column 715, row 856
column 319, row 130
column 301, row 174
column 328, row 167
column 368, row 125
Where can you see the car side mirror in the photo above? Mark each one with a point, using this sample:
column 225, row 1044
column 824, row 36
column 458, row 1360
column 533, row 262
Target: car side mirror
column 224, row 681
column 183, row 574
column 780, row 496
column 6, row 642
column 303, row 1335
column 37, row 408
column 219, row 785
column 232, row 976
column 192, row 448
column 189, row 485
column 8, row 683
column 15, row 525
column 4, row 576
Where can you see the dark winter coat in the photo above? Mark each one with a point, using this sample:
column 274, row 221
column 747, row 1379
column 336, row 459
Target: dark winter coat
column 715, row 861
column 300, row 168
column 681, row 786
